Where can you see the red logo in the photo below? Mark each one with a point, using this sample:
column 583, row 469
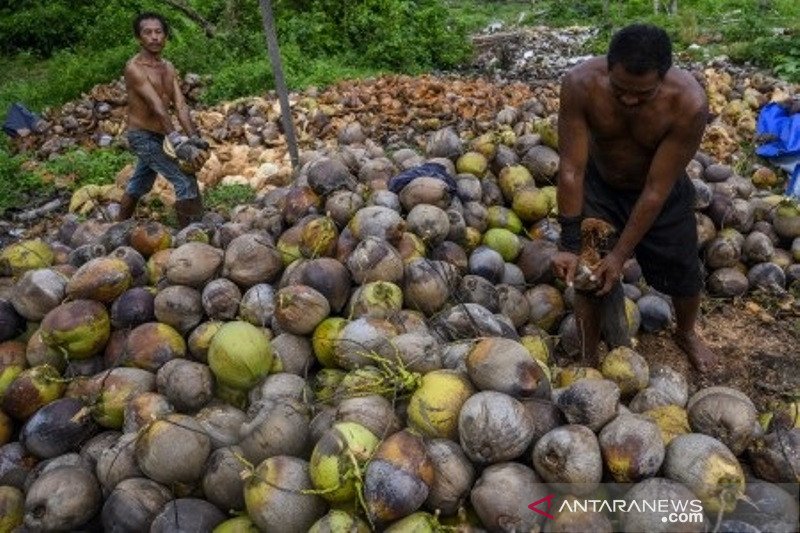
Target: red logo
column 549, row 500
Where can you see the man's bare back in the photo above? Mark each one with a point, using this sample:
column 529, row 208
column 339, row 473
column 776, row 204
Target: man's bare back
column 624, row 139
column 158, row 75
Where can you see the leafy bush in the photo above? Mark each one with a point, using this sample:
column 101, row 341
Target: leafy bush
column 16, row 180
column 225, row 197
column 81, row 167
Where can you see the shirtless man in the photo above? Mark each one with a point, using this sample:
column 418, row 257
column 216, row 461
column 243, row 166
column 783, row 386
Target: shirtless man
column 628, row 125
column 153, row 88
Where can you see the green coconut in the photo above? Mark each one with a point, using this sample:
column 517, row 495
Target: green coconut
column 318, row 238
column 12, row 363
column 513, row 179
column 377, row 299
column 531, row 204
column 102, row 279
column 152, row 344
column 338, row 460
column 33, row 388
column 434, row 406
column 324, row 340
column 25, row 255
column 240, row 524
column 115, row 389
column 503, row 217
column 486, row 144
column 78, row 329
column 338, row 521
column 504, row 242
column 240, row 355
column 474, row 163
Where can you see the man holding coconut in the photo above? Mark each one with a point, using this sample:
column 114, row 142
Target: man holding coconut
column 153, row 88
column 628, row 125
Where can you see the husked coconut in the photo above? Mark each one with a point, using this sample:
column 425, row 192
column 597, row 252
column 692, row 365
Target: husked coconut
column 569, row 458
column 494, row 427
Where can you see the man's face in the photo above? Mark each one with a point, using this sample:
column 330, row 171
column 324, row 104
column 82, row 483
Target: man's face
column 633, row 90
column 151, row 35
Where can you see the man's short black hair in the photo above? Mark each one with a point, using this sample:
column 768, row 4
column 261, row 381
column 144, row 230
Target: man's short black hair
column 148, row 15
column 641, row 48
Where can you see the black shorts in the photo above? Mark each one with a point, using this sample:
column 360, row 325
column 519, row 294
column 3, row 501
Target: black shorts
column 667, row 253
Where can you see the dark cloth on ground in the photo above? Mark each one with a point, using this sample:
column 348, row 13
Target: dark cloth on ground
column 432, row 170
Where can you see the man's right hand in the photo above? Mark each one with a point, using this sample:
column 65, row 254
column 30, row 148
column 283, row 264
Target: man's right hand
column 564, row 265
column 188, row 152
column 199, row 142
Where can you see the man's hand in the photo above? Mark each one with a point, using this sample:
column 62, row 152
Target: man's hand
column 183, row 148
column 190, row 157
column 189, row 153
column 565, row 265
column 608, row 272
column 199, row 142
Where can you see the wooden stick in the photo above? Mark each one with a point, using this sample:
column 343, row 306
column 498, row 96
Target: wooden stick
column 35, row 213
column 280, row 82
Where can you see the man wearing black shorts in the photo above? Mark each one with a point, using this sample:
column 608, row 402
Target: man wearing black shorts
column 628, row 125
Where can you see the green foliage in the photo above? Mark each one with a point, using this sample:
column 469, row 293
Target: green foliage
column 16, row 180
column 81, row 167
column 401, row 35
column 225, row 197
column 85, row 42
column 59, row 78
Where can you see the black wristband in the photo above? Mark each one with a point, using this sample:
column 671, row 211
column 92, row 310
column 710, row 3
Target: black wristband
column 570, row 238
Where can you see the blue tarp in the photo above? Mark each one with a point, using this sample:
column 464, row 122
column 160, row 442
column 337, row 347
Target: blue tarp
column 781, row 128
column 19, row 118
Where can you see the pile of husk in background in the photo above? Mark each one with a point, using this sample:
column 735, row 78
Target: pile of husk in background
column 341, row 356
column 248, row 146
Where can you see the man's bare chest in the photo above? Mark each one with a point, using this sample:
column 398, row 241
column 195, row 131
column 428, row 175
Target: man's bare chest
column 645, row 127
column 160, row 79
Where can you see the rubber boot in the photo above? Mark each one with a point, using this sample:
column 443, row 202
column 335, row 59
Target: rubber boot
column 188, row 211
column 127, row 207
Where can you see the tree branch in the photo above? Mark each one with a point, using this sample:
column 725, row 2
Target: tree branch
column 207, row 26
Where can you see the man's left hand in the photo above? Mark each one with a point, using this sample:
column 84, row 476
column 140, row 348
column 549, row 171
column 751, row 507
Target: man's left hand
column 608, row 272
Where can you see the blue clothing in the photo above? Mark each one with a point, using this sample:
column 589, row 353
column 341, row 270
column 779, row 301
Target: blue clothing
column 149, row 147
column 430, row 170
column 783, row 147
column 20, row 118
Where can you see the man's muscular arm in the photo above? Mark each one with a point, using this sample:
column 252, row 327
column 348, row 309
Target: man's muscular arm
column 136, row 81
column 181, row 109
column 668, row 165
column 573, row 141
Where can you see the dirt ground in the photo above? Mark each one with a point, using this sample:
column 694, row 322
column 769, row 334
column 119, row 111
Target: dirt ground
column 758, row 347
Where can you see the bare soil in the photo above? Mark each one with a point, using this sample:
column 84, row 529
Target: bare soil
column 758, row 347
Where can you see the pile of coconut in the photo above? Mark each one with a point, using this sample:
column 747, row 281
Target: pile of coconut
column 359, row 351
